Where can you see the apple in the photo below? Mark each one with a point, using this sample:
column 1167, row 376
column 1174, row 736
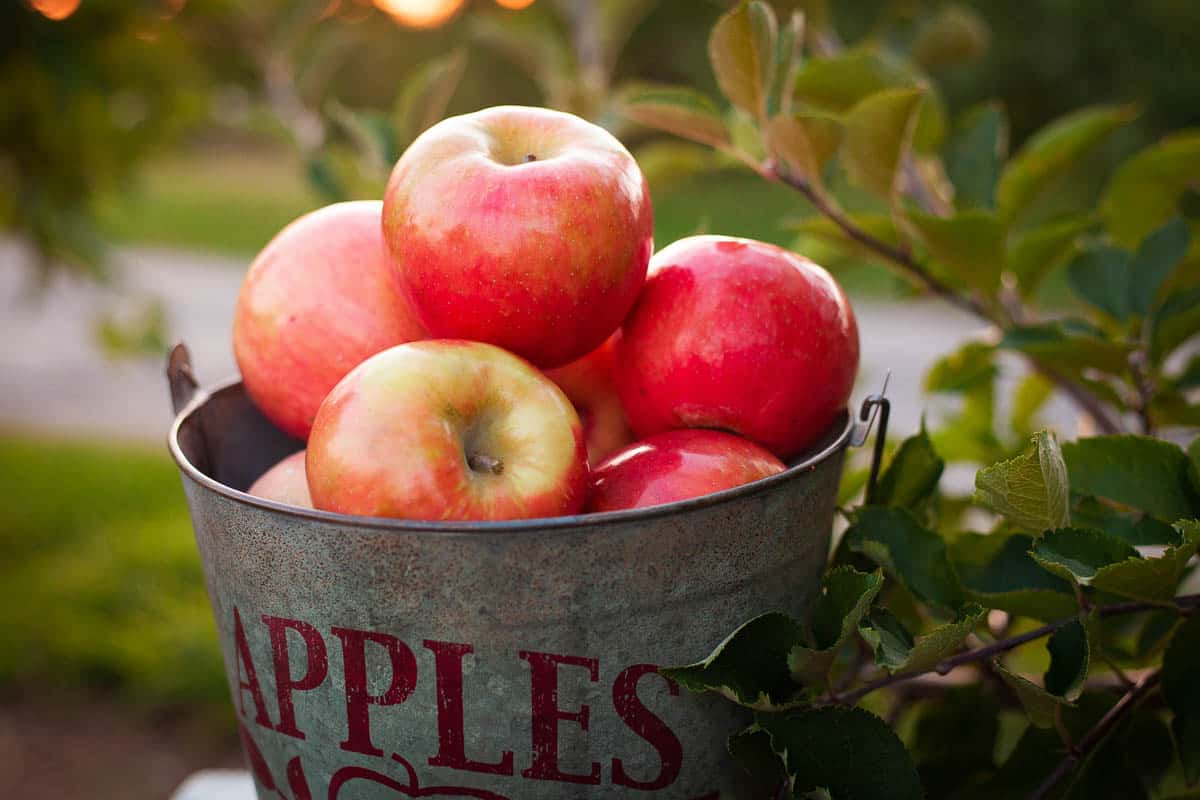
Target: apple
column 676, row 465
column 319, row 298
column 447, row 430
column 524, row 227
column 285, row 482
column 738, row 335
column 591, row 386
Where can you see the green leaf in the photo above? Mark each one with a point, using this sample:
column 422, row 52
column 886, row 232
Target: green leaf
column 741, row 48
column 1069, row 656
column 1103, row 276
column 1137, row 471
column 1031, row 490
column 1133, row 527
column 897, row 651
column 804, row 142
column 1145, row 190
column 975, row 154
column 1193, row 453
column 1069, row 344
column 762, row 767
column 963, row 370
column 1181, row 690
column 915, row 555
column 912, row 476
column 828, row 748
column 953, row 36
column 968, row 247
column 1175, row 321
column 1039, row 704
column 879, row 133
column 1028, row 398
column 1035, row 253
column 1120, row 284
column 751, row 666
column 837, row 83
column 1158, row 254
column 425, row 95
column 996, row 571
column 1052, row 151
column 1151, row 580
column 683, row 112
column 1189, row 377
column 1078, row 554
column 846, row 595
column 887, row 637
column 954, row 739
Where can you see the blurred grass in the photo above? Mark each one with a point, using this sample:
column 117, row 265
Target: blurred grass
column 221, row 201
column 101, row 588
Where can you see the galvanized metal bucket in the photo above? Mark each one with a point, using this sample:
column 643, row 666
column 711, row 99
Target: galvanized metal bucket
column 372, row 658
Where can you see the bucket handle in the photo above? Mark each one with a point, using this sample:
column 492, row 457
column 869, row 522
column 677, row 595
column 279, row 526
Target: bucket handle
column 873, row 406
column 180, row 377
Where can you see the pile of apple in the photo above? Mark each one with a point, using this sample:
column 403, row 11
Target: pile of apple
column 464, row 350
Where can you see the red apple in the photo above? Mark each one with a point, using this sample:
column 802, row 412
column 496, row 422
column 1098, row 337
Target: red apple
column 447, row 430
column 523, row 227
column 738, row 335
column 677, row 465
column 590, row 384
column 319, row 298
column 285, row 482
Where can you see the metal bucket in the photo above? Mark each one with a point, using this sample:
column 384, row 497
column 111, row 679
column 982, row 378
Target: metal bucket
column 372, row 658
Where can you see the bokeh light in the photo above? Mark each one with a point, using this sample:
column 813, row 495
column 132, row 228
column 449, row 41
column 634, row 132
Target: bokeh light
column 516, row 5
column 55, row 9
column 420, row 13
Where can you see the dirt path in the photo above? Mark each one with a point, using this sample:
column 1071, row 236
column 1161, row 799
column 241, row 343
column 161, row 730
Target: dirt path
column 95, row 752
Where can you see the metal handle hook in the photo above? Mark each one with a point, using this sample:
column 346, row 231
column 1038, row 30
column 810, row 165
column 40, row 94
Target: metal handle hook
column 180, row 378
column 874, row 406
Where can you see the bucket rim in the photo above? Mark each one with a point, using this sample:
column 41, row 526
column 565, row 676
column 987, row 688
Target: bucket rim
column 476, row 527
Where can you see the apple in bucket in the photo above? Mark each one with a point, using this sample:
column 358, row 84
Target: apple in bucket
column 447, row 430
column 677, row 465
column 286, row 482
column 590, row 384
column 523, row 227
column 318, row 299
column 738, row 335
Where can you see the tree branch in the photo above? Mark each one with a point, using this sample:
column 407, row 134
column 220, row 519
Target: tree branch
column 1096, row 735
column 1182, row 604
column 904, row 261
column 901, row 257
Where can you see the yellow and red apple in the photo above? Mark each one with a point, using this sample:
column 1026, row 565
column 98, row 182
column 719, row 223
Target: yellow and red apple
column 447, row 430
column 523, row 227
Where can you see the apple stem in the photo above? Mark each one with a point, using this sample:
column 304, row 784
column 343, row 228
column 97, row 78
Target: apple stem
column 485, row 463
column 530, row 157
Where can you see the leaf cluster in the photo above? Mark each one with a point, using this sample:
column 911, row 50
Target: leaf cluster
column 1030, row 640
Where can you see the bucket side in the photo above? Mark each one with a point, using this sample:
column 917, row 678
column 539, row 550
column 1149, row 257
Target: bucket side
column 495, row 644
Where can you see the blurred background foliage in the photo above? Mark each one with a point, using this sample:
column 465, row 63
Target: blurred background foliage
column 139, row 120
column 209, row 124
